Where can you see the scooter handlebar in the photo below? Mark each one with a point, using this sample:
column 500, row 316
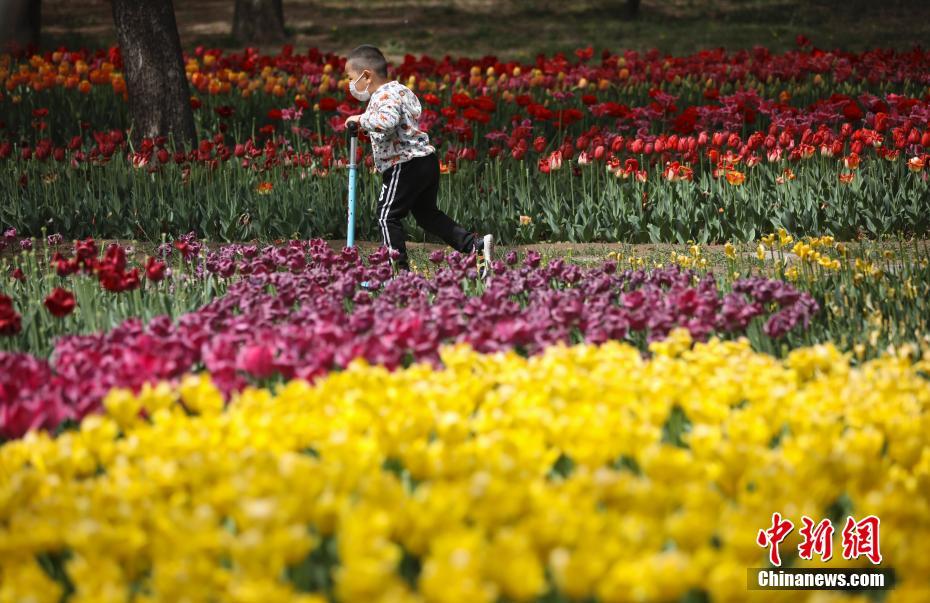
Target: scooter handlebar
column 352, row 127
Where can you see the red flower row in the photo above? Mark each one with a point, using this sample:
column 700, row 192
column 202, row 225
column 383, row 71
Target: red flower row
column 60, row 303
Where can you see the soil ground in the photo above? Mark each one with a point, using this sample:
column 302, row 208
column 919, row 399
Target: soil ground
column 519, row 29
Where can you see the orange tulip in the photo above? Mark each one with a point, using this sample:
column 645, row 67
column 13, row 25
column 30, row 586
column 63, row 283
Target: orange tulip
column 735, row 178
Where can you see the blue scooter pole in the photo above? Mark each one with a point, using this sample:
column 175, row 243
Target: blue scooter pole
column 353, row 174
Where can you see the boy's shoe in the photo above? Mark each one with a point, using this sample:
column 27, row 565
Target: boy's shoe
column 484, row 249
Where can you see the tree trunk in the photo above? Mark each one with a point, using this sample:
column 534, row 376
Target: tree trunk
column 632, row 8
column 258, row 21
column 20, row 24
column 159, row 97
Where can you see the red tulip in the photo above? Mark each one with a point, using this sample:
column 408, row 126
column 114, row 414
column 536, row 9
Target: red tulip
column 110, row 279
column 852, row 112
column 881, row 121
column 184, row 248
column 60, row 302
column 10, row 320
column 484, row 103
column 155, row 270
column 131, row 280
column 65, row 267
column 539, row 112
column 584, row 54
column 115, row 256
column 476, row 115
column 461, row 101
column 257, row 360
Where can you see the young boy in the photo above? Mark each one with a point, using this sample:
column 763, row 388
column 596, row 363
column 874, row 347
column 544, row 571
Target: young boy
column 407, row 162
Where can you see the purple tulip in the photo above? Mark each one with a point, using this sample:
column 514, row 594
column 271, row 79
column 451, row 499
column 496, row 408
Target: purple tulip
column 288, row 314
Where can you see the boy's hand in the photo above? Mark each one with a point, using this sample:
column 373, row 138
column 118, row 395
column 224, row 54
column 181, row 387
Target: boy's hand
column 353, row 118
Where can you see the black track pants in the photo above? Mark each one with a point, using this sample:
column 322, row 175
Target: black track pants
column 412, row 186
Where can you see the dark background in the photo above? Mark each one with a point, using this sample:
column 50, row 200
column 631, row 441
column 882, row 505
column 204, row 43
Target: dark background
column 519, row 29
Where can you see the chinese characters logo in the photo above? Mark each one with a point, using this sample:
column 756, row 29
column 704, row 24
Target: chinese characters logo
column 860, row 538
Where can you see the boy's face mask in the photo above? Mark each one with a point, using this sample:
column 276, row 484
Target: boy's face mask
column 362, row 95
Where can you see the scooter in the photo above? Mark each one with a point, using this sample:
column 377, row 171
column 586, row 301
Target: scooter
column 352, row 129
column 353, row 177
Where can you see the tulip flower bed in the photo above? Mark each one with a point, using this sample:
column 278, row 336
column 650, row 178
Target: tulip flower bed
column 299, row 310
column 89, row 289
column 495, row 478
column 312, row 316
column 275, row 422
column 637, row 147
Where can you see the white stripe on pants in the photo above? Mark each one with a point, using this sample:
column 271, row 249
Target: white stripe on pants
column 388, row 200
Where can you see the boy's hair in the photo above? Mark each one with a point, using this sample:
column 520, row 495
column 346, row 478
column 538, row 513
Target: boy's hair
column 368, row 57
